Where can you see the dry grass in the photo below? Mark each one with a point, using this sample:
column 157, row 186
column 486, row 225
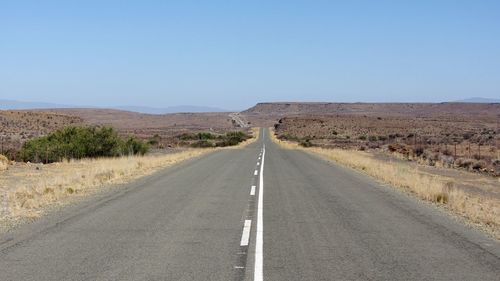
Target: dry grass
column 56, row 183
column 477, row 208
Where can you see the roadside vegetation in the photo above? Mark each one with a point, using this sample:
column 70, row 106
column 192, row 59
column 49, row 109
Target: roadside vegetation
column 475, row 206
column 80, row 142
column 204, row 139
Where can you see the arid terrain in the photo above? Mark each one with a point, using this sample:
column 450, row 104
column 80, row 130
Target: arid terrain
column 164, row 126
column 18, row 126
column 455, row 135
column 267, row 114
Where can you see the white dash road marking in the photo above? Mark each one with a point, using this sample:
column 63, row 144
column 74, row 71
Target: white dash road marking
column 255, row 173
column 259, row 239
column 246, row 233
column 258, row 163
column 252, row 190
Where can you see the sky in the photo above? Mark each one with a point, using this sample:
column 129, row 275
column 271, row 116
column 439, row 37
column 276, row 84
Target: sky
column 233, row 54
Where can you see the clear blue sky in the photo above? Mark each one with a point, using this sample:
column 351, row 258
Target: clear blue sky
column 232, row 54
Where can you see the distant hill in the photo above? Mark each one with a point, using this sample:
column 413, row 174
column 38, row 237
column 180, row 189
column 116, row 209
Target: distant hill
column 424, row 109
column 170, row 109
column 267, row 114
column 12, row 104
column 479, row 100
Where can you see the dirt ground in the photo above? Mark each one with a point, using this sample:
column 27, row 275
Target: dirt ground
column 459, row 141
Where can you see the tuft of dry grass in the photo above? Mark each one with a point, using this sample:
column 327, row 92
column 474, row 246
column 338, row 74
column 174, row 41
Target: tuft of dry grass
column 4, row 163
column 476, row 207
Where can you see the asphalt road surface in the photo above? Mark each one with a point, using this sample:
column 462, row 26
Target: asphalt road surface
column 256, row 213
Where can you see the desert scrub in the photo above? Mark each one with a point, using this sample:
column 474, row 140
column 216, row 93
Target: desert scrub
column 81, row 142
column 204, row 140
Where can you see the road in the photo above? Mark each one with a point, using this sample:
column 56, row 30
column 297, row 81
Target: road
column 255, row 213
column 238, row 119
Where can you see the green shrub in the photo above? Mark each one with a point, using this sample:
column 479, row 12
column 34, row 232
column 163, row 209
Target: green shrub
column 134, row 146
column 80, row 142
column 205, row 136
column 202, row 144
column 232, row 138
column 198, row 136
column 204, row 139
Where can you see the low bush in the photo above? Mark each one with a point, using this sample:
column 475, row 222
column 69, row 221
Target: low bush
column 232, row 138
column 306, row 143
column 382, row 138
column 202, row 144
column 155, row 140
column 418, row 151
column 478, row 165
column 464, row 163
column 204, row 139
column 134, row 146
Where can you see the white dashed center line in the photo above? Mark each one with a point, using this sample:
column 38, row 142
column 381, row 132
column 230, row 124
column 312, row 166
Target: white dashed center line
column 246, row 233
column 252, row 190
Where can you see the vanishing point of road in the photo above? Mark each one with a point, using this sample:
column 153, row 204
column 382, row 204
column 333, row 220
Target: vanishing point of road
column 254, row 213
